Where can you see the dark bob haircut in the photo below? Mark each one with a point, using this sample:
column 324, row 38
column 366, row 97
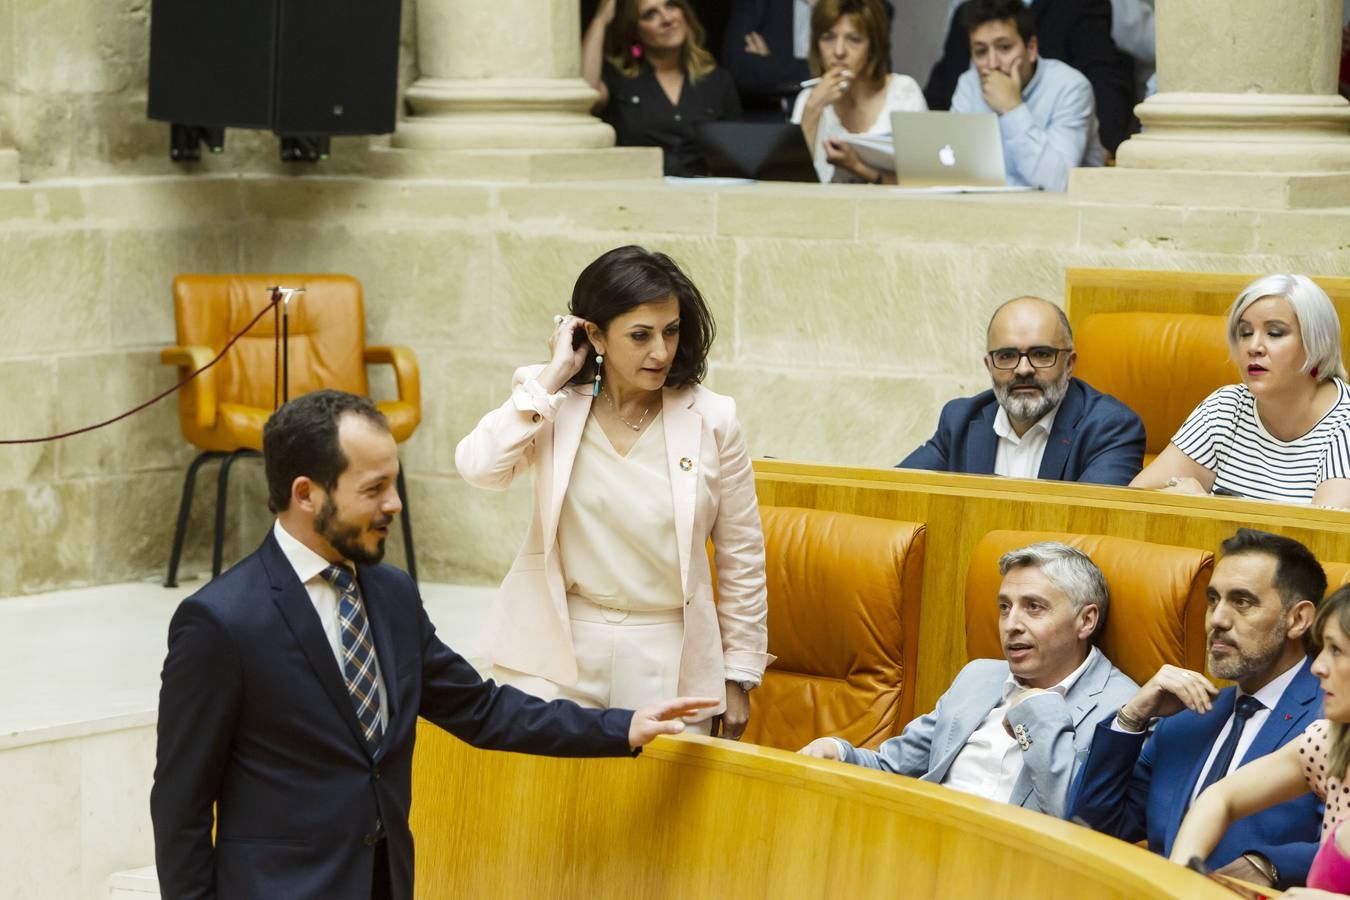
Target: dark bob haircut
column 301, row 438
column 1298, row 574
column 628, row 277
column 974, row 13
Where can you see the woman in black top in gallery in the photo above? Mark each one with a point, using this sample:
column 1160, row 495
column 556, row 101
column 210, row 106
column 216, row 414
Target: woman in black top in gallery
column 657, row 84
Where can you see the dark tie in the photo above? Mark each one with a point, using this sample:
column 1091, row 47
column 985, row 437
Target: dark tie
column 1245, row 708
column 358, row 653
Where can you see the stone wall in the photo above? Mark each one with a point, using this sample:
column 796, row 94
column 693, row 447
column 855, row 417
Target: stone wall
column 73, row 78
column 846, row 317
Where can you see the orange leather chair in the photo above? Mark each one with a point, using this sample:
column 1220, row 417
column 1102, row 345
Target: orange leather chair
column 844, row 595
column 222, row 410
column 1161, row 365
column 1157, row 609
column 1338, row 574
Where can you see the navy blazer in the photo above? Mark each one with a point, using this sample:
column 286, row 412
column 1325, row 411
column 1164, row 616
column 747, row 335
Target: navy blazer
column 254, row 717
column 1096, row 439
column 1133, row 786
column 778, row 73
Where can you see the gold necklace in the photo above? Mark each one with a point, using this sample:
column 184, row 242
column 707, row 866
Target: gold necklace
column 614, row 406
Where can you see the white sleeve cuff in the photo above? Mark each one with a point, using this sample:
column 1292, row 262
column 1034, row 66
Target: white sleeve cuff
column 530, row 397
column 733, row 674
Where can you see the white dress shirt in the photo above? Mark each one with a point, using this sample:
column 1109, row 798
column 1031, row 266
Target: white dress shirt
column 991, row 762
column 309, row 567
column 1020, row 457
column 1268, row 697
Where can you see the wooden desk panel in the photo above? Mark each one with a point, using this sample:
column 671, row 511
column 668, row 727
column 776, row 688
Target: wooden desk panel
column 698, row 817
column 960, row 509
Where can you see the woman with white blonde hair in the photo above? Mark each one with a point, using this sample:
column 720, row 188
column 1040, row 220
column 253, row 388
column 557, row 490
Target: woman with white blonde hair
column 1283, row 433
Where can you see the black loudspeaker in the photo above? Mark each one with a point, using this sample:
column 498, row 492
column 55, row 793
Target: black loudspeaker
column 300, row 68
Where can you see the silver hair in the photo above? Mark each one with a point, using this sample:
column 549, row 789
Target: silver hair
column 1070, row 570
column 1318, row 323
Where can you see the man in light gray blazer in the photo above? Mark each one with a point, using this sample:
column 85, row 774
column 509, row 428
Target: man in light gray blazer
column 1017, row 729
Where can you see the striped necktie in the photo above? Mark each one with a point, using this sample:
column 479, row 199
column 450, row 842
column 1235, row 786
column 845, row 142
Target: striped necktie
column 358, row 654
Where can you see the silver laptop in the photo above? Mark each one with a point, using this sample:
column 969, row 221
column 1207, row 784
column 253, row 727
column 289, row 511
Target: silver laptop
column 947, row 148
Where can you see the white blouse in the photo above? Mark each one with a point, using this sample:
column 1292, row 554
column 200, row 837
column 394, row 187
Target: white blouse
column 902, row 95
column 616, row 529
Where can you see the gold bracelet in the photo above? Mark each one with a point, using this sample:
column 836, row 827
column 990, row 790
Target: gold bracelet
column 1129, row 722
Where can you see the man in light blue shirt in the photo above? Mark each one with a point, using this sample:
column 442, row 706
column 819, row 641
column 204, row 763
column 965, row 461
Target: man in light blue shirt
column 1046, row 112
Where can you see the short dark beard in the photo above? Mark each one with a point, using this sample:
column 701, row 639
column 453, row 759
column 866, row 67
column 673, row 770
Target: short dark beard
column 343, row 538
column 1261, row 660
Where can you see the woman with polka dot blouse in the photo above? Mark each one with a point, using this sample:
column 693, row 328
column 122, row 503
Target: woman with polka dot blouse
column 1317, row 762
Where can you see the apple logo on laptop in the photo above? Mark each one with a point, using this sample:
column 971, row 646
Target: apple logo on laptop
column 947, row 156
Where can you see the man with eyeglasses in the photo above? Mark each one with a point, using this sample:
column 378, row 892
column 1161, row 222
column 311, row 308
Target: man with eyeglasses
column 1038, row 421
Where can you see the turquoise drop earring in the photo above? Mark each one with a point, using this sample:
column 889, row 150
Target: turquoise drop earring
column 599, row 361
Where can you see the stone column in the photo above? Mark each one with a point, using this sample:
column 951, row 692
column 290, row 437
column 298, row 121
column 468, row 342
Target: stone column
column 1247, row 110
column 505, row 76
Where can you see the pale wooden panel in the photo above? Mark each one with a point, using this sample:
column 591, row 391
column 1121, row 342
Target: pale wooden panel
column 960, row 509
column 1088, row 291
column 698, row 817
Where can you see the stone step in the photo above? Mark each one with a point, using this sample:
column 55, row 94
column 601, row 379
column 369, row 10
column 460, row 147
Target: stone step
column 134, row 884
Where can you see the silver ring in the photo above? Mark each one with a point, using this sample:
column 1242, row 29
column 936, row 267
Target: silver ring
column 1172, row 482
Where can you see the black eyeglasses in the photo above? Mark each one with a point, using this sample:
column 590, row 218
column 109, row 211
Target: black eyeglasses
column 1039, row 357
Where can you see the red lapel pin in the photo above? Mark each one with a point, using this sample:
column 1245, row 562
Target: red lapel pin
column 1287, row 717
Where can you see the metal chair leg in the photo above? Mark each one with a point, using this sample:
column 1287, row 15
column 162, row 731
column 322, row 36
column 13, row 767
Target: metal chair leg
column 184, row 513
column 405, row 518
column 222, row 492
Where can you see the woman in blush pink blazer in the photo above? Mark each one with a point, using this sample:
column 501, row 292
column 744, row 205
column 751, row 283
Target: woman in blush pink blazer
column 636, row 465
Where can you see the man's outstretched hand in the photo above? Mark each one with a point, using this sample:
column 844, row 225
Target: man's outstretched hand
column 664, row 718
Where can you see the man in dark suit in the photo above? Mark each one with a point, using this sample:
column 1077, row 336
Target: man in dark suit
column 1077, row 32
column 1262, row 597
column 293, row 684
column 760, row 50
column 1038, row 421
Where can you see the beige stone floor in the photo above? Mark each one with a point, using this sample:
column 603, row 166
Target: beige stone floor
column 89, row 659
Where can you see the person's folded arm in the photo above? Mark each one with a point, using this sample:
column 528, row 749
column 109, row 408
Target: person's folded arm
column 1043, row 156
column 1171, row 464
column 501, row 445
column 1048, row 759
column 1111, row 792
column 1334, row 492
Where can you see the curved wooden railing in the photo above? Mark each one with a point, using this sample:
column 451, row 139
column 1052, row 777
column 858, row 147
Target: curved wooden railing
column 958, row 510
column 699, row 817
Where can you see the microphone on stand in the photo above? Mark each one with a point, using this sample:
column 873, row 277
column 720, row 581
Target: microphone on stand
column 281, row 302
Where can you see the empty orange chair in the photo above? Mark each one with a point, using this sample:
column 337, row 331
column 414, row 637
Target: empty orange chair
column 1161, row 365
column 844, row 595
column 222, row 410
column 1157, row 609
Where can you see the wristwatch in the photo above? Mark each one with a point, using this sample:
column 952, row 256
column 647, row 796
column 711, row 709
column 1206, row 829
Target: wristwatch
column 1261, row 863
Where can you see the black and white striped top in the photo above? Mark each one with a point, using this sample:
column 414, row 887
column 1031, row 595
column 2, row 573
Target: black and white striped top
column 1225, row 435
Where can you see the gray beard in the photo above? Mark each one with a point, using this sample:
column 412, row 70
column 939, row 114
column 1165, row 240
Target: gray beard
column 1031, row 408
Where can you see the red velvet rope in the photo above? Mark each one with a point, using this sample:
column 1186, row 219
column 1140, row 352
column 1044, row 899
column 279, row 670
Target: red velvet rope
column 276, row 297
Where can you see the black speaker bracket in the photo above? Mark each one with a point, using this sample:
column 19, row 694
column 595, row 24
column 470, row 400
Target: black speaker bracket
column 304, row 148
column 186, row 141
